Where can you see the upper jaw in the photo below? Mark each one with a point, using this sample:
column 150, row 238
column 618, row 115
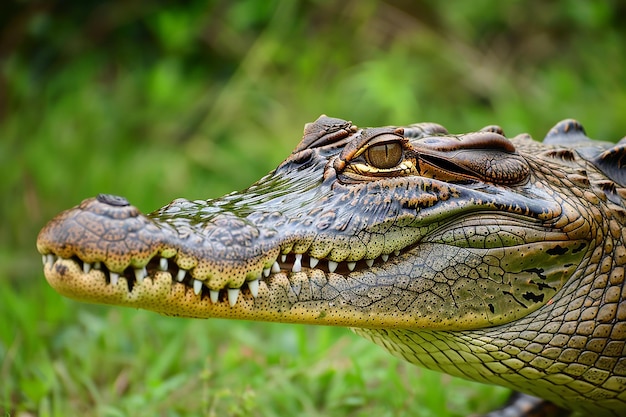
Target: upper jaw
column 82, row 251
column 109, row 235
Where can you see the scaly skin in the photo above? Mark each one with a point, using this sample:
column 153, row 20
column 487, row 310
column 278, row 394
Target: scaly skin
column 496, row 260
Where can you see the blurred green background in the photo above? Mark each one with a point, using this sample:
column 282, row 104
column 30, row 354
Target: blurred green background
column 155, row 100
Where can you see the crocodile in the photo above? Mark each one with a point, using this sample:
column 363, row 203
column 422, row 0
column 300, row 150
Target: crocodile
column 492, row 259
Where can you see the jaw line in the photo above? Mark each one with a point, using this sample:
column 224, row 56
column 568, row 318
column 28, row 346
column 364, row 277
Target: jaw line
column 94, row 275
column 281, row 297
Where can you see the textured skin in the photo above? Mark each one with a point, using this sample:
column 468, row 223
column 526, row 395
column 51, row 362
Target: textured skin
column 496, row 260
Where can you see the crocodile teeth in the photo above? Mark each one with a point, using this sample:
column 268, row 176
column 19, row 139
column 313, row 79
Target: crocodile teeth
column 180, row 276
column 49, row 259
column 396, row 253
column 163, row 264
column 197, row 286
column 384, row 257
column 215, row 295
column 86, row 267
column 332, row 266
column 369, row 262
column 283, row 258
column 253, row 286
column 97, row 265
column 313, row 262
column 233, row 294
column 140, row 274
column 115, row 277
column 274, row 269
column 297, row 263
column 351, row 266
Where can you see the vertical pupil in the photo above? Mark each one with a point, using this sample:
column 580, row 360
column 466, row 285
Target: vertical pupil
column 384, row 156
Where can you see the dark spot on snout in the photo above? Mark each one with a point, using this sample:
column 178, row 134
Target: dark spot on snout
column 557, row 250
column 61, row 269
column 538, row 271
column 535, row 298
column 542, row 286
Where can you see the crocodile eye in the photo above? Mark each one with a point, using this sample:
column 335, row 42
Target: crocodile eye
column 384, row 156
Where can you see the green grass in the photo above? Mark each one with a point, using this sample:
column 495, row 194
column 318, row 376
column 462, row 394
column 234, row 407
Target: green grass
column 158, row 101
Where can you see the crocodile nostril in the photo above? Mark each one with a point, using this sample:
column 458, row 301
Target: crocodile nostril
column 113, row 200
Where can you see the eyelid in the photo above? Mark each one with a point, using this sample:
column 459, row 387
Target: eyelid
column 382, row 140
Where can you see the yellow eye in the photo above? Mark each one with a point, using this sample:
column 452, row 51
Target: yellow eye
column 384, row 156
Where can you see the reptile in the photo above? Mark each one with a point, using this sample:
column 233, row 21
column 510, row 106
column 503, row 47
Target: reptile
column 492, row 259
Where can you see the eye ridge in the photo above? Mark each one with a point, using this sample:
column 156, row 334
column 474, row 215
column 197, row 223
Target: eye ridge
column 384, row 155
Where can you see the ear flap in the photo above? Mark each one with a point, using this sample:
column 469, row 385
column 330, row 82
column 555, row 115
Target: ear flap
column 612, row 163
column 607, row 157
column 568, row 132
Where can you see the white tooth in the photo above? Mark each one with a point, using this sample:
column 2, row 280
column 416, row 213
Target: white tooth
column 97, row 265
column 115, row 277
column 51, row 259
column 313, row 262
column 253, row 286
column 140, row 274
column 180, row 276
column 86, row 267
column 283, row 258
column 369, row 262
column 275, row 268
column 266, row 272
column 215, row 295
column 351, row 266
column 332, row 266
column 397, row 252
column 44, row 259
column 233, row 294
column 297, row 263
column 163, row 264
column 384, row 257
column 197, row 286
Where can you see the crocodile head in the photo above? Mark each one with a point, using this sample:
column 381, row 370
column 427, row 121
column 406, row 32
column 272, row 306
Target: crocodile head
column 388, row 227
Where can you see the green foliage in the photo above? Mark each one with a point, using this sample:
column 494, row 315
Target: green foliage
column 158, row 100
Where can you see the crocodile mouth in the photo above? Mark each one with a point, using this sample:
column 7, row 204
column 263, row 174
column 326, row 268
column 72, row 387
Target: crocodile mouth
column 285, row 264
